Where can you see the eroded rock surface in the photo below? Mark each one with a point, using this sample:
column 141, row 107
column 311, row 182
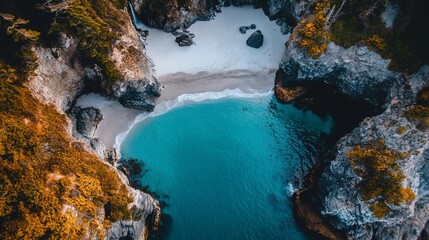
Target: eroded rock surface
column 357, row 71
column 342, row 202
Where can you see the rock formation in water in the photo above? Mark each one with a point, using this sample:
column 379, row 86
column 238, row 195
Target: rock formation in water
column 327, row 46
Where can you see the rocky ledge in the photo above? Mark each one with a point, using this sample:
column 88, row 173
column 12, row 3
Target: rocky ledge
column 145, row 211
column 361, row 73
column 61, row 76
column 357, row 71
column 343, row 205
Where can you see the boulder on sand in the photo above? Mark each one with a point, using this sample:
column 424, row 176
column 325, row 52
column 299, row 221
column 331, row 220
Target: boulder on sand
column 255, row 40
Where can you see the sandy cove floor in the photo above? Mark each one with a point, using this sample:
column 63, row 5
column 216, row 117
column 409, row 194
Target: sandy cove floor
column 219, row 60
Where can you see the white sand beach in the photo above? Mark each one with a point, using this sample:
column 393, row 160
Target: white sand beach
column 219, row 45
column 219, row 64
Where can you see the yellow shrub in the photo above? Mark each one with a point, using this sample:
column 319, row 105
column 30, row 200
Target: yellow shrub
column 37, row 167
column 375, row 42
column 313, row 32
column 380, row 209
column 418, row 114
column 381, row 176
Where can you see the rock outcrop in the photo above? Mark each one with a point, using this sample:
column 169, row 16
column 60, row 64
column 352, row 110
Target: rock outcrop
column 171, row 16
column 143, row 206
column 58, row 79
column 361, row 73
column 137, row 94
column 357, row 71
column 138, row 87
column 62, row 75
column 343, row 205
column 87, row 120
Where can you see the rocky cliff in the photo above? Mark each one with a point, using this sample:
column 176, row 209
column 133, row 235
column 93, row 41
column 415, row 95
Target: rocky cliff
column 67, row 48
column 352, row 197
column 174, row 15
column 62, row 74
column 363, row 64
column 339, row 186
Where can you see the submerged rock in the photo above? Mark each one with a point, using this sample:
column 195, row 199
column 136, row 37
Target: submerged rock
column 255, row 40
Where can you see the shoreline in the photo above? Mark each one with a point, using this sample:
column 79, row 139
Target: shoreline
column 178, row 89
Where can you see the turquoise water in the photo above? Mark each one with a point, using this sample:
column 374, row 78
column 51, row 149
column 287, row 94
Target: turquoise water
column 225, row 168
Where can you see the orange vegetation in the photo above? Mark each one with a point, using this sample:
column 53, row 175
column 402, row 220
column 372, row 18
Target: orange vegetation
column 50, row 188
column 382, row 178
column 313, row 31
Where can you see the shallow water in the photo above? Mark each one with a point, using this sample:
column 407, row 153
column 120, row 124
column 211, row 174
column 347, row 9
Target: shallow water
column 226, row 168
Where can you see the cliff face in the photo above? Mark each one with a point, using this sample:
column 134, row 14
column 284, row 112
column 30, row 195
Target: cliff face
column 172, row 15
column 342, row 202
column 58, row 78
column 61, row 74
column 347, row 200
column 60, row 62
column 357, row 71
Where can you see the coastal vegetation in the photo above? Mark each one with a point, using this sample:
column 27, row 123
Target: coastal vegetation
column 419, row 113
column 382, row 178
column 351, row 22
column 96, row 24
column 314, row 30
column 51, row 187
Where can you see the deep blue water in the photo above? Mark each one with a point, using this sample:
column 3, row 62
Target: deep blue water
column 225, row 168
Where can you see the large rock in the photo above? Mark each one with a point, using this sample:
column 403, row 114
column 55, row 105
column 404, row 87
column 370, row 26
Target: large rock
column 357, row 71
column 341, row 202
column 255, row 40
column 185, row 39
column 169, row 16
column 87, row 120
column 138, row 95
column 58, row 76
column 290, row 11
column 143, row 206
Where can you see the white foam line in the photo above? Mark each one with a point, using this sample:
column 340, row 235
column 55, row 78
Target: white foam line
column 184, row 99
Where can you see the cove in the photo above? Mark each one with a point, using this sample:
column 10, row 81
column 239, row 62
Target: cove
column 225, row 169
